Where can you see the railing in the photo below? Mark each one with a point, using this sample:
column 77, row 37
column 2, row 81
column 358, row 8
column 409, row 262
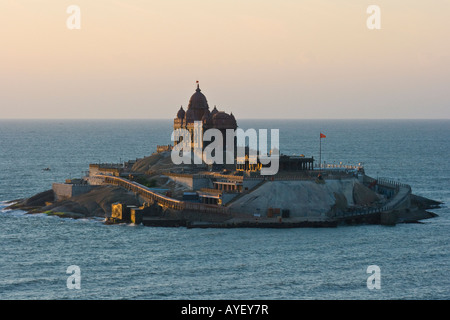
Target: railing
column 145, row 192
column 392, row 183
column 180, row 175
column 365, row 212
column 268, row 178
column 205, row 176
column 303, row 178
column 187, row 175
column 161, row 199
column 387, row 183
column 388, row 207
column 106, row 165
column 338, row 166
column 218, row 191
column 211, row 190
column 225, row 176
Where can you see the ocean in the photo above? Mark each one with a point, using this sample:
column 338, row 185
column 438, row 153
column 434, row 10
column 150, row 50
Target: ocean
column 136, row 262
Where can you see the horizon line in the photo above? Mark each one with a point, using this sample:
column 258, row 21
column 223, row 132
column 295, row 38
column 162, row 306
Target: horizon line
column 285, row 119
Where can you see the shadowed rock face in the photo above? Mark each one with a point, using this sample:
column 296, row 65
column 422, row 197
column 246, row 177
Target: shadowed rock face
column 363, row 195
column 341, row 201
column 157, row 162
column 142, row 165
column 96, row 203
column 35, row 201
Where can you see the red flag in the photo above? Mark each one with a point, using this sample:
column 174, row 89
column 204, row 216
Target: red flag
column 322, row 135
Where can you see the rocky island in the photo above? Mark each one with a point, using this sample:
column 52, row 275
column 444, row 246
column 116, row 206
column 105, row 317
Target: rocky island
column 169, row 195
column 156, row 192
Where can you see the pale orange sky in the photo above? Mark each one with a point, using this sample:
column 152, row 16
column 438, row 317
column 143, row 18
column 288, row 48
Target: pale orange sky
column 255, row 58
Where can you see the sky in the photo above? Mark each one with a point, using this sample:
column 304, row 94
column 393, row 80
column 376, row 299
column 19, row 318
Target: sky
column 302, row 59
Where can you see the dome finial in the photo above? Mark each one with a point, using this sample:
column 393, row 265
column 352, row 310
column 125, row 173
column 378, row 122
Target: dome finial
column 198, row 86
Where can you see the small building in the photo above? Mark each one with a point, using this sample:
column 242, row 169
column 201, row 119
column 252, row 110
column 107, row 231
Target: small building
column 286, row 163
column 244, row 164
column 210, row 197
column 122, row 212
column 191, row 197
column 136, row 215
column 228, row 186
column 64, row 191
column 295, row 163
column 105, row 169
column 160, row 149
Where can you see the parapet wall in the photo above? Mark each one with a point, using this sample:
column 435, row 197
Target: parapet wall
column 192, row 182
column 65, row 191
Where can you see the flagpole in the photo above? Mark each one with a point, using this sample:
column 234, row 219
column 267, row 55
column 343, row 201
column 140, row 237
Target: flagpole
column 320, row 152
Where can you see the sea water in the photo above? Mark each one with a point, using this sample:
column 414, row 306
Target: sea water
column 136, row 262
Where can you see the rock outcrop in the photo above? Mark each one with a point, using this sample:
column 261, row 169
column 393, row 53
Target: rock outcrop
column 96, row 203
column 306, row 198
column 37, row 201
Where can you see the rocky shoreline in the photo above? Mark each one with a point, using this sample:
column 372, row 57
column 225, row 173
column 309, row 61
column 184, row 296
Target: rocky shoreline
column 330, row 203
column 97, row 204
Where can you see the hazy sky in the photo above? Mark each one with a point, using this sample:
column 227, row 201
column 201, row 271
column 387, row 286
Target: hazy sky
column 256, row 58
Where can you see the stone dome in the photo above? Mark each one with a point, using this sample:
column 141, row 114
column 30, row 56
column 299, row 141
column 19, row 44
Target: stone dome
column 190, row 115
column 181, row 113
column 221, row 118
column 198, row 100
column 206, row 116
column 198, row 110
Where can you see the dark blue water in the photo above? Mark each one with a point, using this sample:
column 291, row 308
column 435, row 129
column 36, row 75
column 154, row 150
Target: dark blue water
column 135, row 262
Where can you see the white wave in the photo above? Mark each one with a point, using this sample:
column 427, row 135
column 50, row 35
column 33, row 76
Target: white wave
column 40, row 215
column 133, row 225
column 3, row 204
column 15, row 213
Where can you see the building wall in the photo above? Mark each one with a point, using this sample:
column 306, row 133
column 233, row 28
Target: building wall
column 199, row 183
column 192, row 182
column 93, row 170
column 102, row 169
column 65, row 191
column 164, row 148
column 95, row 180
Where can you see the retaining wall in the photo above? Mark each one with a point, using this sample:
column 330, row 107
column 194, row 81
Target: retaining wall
column 65, row 191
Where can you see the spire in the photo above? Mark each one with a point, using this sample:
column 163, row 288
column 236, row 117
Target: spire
column 198, row 87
